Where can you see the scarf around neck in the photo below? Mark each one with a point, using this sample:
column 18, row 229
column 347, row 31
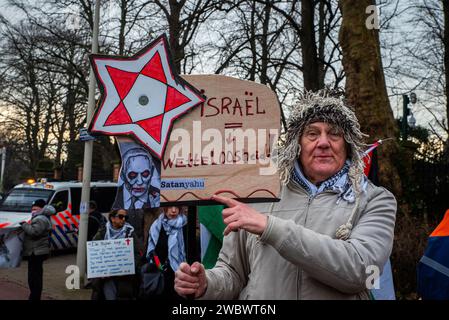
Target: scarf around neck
column 173, row 228
column 339, row 183
column 123, row 232
column 37, row 212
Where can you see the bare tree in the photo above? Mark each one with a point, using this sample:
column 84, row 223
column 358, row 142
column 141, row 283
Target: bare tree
column 27, row 92
column 365, row 85
column 286, row 45
column 182, row 18
column 415, row 46
column 61, row 46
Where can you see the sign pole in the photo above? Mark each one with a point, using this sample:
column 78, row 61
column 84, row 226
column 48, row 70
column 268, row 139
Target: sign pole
column 192, row 248
column 87, row 165
column 192, row 252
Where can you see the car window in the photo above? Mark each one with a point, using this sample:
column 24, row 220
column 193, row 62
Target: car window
column 75, row 194
column 21, row 199
column 60, row 200
column 104, row 197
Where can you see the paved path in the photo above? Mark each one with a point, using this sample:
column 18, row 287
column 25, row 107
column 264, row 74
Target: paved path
column 14, row 285
column 10, row 290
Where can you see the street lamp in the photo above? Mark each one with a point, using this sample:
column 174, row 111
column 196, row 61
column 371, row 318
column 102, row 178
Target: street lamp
column 408, row 120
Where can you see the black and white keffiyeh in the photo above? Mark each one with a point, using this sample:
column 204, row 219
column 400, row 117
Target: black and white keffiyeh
column 339, row 183
column 173, row 228
column 123, row 232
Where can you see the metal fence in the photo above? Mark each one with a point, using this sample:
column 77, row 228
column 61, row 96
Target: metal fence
column 431, row 188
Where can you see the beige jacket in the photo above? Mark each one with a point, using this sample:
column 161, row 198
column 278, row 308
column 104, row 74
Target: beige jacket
column 298, row 255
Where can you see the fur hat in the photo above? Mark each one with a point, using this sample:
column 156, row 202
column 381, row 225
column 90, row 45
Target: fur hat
column 323, row 106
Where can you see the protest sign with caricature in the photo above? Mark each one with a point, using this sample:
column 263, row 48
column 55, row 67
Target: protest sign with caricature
column 212, row 134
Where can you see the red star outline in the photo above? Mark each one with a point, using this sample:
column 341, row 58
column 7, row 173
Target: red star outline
column 119, row 75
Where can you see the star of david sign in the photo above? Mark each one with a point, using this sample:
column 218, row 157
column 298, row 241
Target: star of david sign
column 141, row 95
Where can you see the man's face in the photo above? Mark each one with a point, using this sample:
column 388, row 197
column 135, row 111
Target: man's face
column 138, row 174
column 323, row 151
column 35, row 209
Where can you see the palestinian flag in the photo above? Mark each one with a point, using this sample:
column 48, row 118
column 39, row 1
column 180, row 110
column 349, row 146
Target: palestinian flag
column 211, row 228
column 371, row 164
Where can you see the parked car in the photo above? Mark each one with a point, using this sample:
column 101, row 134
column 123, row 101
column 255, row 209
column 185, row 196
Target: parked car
column 65, row 197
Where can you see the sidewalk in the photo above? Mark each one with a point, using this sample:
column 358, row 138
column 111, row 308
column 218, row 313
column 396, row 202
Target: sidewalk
column 14, row 283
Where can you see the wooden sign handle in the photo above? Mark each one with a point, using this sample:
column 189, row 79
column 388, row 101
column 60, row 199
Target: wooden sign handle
column 192, row 248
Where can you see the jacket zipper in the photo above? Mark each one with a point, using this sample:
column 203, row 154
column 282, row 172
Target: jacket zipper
column 299, row 270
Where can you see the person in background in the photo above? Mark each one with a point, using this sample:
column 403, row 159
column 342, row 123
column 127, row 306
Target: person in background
column 117, row 287
column 149, row 216
column 96, row 220
column 36, row 244
column 166, row 241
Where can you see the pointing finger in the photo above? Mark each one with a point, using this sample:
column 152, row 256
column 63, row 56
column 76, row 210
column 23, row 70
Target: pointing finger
column 226, row 201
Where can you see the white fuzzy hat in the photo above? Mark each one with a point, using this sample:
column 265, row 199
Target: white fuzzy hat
column 329, row 107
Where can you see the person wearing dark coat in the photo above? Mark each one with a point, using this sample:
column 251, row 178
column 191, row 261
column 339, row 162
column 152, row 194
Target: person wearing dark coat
column 118, row 287
column 36, row 245
column 166, row 241
column 96, row 221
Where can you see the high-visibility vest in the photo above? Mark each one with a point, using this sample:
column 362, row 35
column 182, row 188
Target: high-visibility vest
column 433, row 268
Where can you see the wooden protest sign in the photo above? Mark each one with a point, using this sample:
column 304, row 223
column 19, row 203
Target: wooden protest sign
column 224, row 146
column 108, row 258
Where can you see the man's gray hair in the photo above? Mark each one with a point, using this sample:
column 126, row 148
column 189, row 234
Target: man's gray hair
column 325, row 107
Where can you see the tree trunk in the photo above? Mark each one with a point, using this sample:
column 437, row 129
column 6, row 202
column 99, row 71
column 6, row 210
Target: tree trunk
column 446, row 57
column 174, row 25
column 365, row 87
column 252, row 43
column 121, row 38
column 308, row 46
column 264, row 44
column 321, row 44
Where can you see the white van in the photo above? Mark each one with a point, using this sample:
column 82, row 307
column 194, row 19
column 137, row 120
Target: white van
column 65, row 197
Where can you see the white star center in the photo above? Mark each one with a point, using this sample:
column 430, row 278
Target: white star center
column 150, row 88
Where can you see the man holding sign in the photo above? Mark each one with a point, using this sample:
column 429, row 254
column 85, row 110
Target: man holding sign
column 331, row 227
